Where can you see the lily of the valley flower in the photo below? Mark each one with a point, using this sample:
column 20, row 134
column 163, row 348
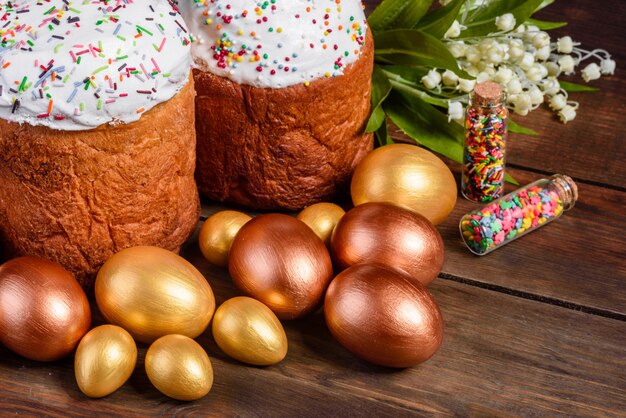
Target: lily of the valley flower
column 566, row 64
column 591, row 72
column 567, row 114
column 432, row 79
column 607, row 67
column 565, row 45
column 506, row 22
column 521, row 103
column 503, row 75
column 541, row 39
column 516, row 49
column 543, row 53
column 536, row 96
column 454, row 30
column 557, row 102
column 527, row 61
column 455, row 111
column 457, row 49
column 449, row 78
column 466, row 86
column 550, row 86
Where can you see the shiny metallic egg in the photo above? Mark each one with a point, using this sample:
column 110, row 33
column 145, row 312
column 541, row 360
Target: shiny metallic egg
column 280, row 261
column 383, row 315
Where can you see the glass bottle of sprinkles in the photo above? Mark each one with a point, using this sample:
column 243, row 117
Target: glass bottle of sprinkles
column 485, row 137
column 518, row 213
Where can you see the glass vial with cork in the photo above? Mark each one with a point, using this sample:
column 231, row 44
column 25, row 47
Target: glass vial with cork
column 485, row 138
column 518, row 213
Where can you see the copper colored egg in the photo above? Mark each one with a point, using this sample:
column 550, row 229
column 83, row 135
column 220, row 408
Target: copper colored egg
column 43, row 310
column 280, row 261
column 152, row 292
column 322, row 218
column 179, row 368
column 408, row 176
column 383, row 315
column 388, row 234
column 217, row 234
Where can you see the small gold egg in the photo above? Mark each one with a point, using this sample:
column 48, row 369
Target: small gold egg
column 217, row 234
column 179, row 368
column 247, row 330
column 152, row 292
column 105, row 359
column 322, row 218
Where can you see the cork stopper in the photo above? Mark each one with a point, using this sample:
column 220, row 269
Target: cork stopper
column 488, row 94
column 568, row 188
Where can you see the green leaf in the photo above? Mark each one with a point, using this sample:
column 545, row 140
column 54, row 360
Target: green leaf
column 382, row 134
column 437, row 22
column 411, row 75
column 573, row 87
column 376, row 119
column 408, row 90
column 380, row 86
column 519, row 129
column 394, row 14
column 545, row 25
column 484, row 21
column 426, row 125
column 544, row 4
column 509, row 179
column 380, row 90
column 415, row 48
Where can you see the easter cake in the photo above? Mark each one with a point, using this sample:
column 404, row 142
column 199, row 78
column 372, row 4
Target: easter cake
column 97, row 139
column 283, row 98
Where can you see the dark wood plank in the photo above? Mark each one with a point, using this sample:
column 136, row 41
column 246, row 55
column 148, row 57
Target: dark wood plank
column 501, row 355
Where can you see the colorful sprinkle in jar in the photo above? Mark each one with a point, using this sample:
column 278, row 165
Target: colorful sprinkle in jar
column 518, row 213
column 485, row 137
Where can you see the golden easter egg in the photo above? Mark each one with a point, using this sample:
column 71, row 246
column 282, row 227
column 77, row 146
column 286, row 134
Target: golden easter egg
column 217, row 234
column 322, row 218
column 179, row 368
column 105, row 359
column 152, row 292
column 247, row 330
column 407, row 176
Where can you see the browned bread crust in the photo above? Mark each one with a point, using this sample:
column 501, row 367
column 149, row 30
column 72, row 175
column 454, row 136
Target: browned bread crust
column 282, row 148
column 77, row 197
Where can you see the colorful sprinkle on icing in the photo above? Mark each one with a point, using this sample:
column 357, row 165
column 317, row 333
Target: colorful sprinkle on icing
column 74, row 65
column 275, row 43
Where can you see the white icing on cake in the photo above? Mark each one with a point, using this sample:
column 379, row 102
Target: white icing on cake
column 275, row 43
column 75, row 65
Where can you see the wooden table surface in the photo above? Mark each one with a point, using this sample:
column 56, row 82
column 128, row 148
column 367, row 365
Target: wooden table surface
column 535, row 328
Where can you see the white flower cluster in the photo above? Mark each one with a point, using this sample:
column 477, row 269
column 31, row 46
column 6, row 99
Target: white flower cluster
column 524, row 60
